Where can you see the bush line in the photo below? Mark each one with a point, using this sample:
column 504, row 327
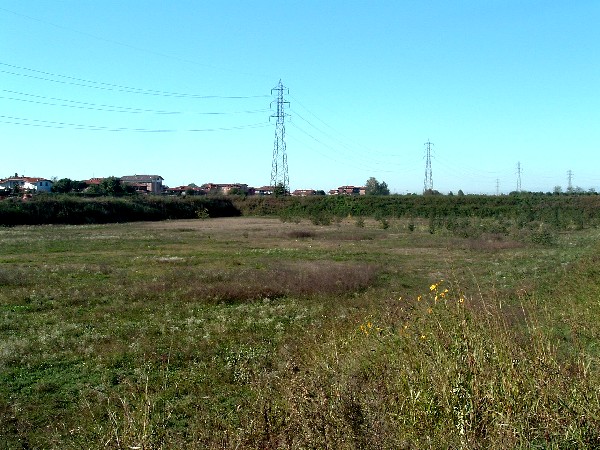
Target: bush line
column 559, row 211
column 75, row 210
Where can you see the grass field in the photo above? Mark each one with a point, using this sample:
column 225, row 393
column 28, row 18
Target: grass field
column 255, row 333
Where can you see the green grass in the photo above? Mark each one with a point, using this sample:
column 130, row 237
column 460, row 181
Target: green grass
column 253, row 333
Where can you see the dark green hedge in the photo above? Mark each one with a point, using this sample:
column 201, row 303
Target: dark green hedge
column 65, row 209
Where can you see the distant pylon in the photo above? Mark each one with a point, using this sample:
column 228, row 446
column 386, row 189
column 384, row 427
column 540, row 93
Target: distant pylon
column 570, row 185
column 279, row 166
column 428, row 183
column 519, row 176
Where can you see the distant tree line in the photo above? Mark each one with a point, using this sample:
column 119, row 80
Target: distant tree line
column 110, row 186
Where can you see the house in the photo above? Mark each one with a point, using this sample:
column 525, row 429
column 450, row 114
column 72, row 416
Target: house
column 38, row 185
column 151, row 184
column 184, row 190
column 348, row 190
column 304, row 192
column 264, row 190
column 228, row 188
column 93, row 181
column 26, row 183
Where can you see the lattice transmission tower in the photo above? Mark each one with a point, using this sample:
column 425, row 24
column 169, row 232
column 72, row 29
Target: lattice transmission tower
column 279, row 166
column 428, row 183
column 519, row 172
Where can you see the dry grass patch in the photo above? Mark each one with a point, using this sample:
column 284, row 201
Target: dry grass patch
column 301, row 234
column 493, row 242
column 302, row 278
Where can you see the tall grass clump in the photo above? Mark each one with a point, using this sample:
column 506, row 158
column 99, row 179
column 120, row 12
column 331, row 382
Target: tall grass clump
column 442, row 370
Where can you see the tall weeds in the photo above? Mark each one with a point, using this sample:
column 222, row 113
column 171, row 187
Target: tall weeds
column 446, row 376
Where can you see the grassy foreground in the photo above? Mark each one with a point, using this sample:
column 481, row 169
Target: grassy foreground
column 253, row 333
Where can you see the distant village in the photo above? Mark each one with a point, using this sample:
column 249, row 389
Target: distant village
column 153, row 185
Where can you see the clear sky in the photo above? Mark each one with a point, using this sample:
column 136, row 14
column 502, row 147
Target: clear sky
column 182, row 89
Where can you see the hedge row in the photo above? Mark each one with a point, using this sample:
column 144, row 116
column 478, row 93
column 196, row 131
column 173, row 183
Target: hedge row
column 64, row 209
column 522, row 207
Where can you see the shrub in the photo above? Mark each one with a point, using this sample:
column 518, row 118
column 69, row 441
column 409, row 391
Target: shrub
column 543, row 236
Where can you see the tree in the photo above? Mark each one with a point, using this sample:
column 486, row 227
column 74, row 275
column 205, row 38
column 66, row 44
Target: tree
column 280, row 190
column 374, row 187
column 237, row 191
column 111, row 187
column 62, row 186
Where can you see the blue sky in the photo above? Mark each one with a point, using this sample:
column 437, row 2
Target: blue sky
column 183, row 89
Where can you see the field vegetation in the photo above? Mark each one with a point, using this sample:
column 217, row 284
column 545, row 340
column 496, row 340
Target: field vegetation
column 313, row 328
column 559, row 211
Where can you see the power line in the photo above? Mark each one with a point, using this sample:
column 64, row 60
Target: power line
column 62, row 125
column 74, row 81
column 109, row 108
column 133, row 47
column 55, row 102
column 366, row 161
column 352, row 147
column 344, row 161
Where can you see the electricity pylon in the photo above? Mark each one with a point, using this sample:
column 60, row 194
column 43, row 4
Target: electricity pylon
column 279, row 166
column 428, row 183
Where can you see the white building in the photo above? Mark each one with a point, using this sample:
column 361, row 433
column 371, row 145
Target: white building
column 26, row 183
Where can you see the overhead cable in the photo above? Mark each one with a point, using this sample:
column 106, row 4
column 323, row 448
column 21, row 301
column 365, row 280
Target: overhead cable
column 60, row 125
column 74, row 81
